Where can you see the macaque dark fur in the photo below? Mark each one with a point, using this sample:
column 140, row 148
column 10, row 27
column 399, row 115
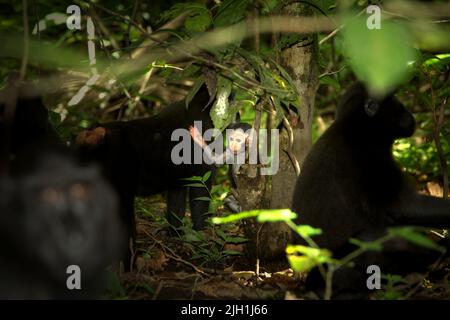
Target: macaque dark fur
column 351, row 187
column 136, row 158
column 54, row 212
column 58, row 214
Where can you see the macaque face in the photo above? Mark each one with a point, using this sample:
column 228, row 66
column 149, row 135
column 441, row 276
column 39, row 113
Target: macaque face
column 237, row 141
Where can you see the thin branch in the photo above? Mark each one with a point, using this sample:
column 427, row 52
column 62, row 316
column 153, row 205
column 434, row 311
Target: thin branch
column 103, row 28
column 142, row 30
column 26, row 42
column 173, row 255
column 438, row 120
column 133, row 17
column 289, row 150
column 332, row 72
column 334, row 32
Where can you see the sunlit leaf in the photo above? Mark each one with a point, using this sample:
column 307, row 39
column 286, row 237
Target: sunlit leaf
column 235, row 217
column 276, row 215
column 307, row 231
column 440, row 61
column 301, row 263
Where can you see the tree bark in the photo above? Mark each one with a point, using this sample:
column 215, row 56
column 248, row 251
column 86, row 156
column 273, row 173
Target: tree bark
column 300, row 61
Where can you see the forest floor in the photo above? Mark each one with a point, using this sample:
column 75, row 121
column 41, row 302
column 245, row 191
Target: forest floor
column 211, row 265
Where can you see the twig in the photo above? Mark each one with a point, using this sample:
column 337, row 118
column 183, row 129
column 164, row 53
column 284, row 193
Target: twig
column 332, row 72
column 142, row 30
column 133, row 17
column 257, row 249
column 26, row 42
column 133, row 253
column 419, row 285
column 329, row 283
column 193, row 287
column 173, row 255
column 438, row 120
column 11, row 97
column 289, row 150
column 158, row 290
column 103, row 28
column 331, row 35
column 335, row 31
column 159, row 35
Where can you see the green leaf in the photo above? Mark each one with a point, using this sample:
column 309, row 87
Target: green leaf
column 268, row 5
column 440, row 62
column 193, row 236
column 301, row 263
column 219, row 241
column 394, row 279
column 410, row 234
column 293, row 96
column 232, row 253
column 203, row 198
column 369, row 246
column 114, row 285
column 319, row 255
column 235, row 217
column 330, row 81
column 304, row 250
column 306, row 231
column 195, row 185
column 236, row 240
column 198, row 19
column 193, row 178
column 230, row 12
column 221, row 234
column 276, row 215
column 84, row 124
column 206, row 176
column 379, row 57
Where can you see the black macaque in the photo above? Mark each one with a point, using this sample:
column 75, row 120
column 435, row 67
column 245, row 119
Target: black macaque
column 136, row 158
column 54, row 213
column 351, row 187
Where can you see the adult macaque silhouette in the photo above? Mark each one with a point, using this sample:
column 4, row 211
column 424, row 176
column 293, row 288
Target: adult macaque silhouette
column 136, row 158
column 56, row 215
column 351, row 187
column 53, row 212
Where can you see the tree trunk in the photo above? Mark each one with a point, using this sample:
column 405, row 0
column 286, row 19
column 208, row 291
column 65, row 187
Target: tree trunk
column 300, row 61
